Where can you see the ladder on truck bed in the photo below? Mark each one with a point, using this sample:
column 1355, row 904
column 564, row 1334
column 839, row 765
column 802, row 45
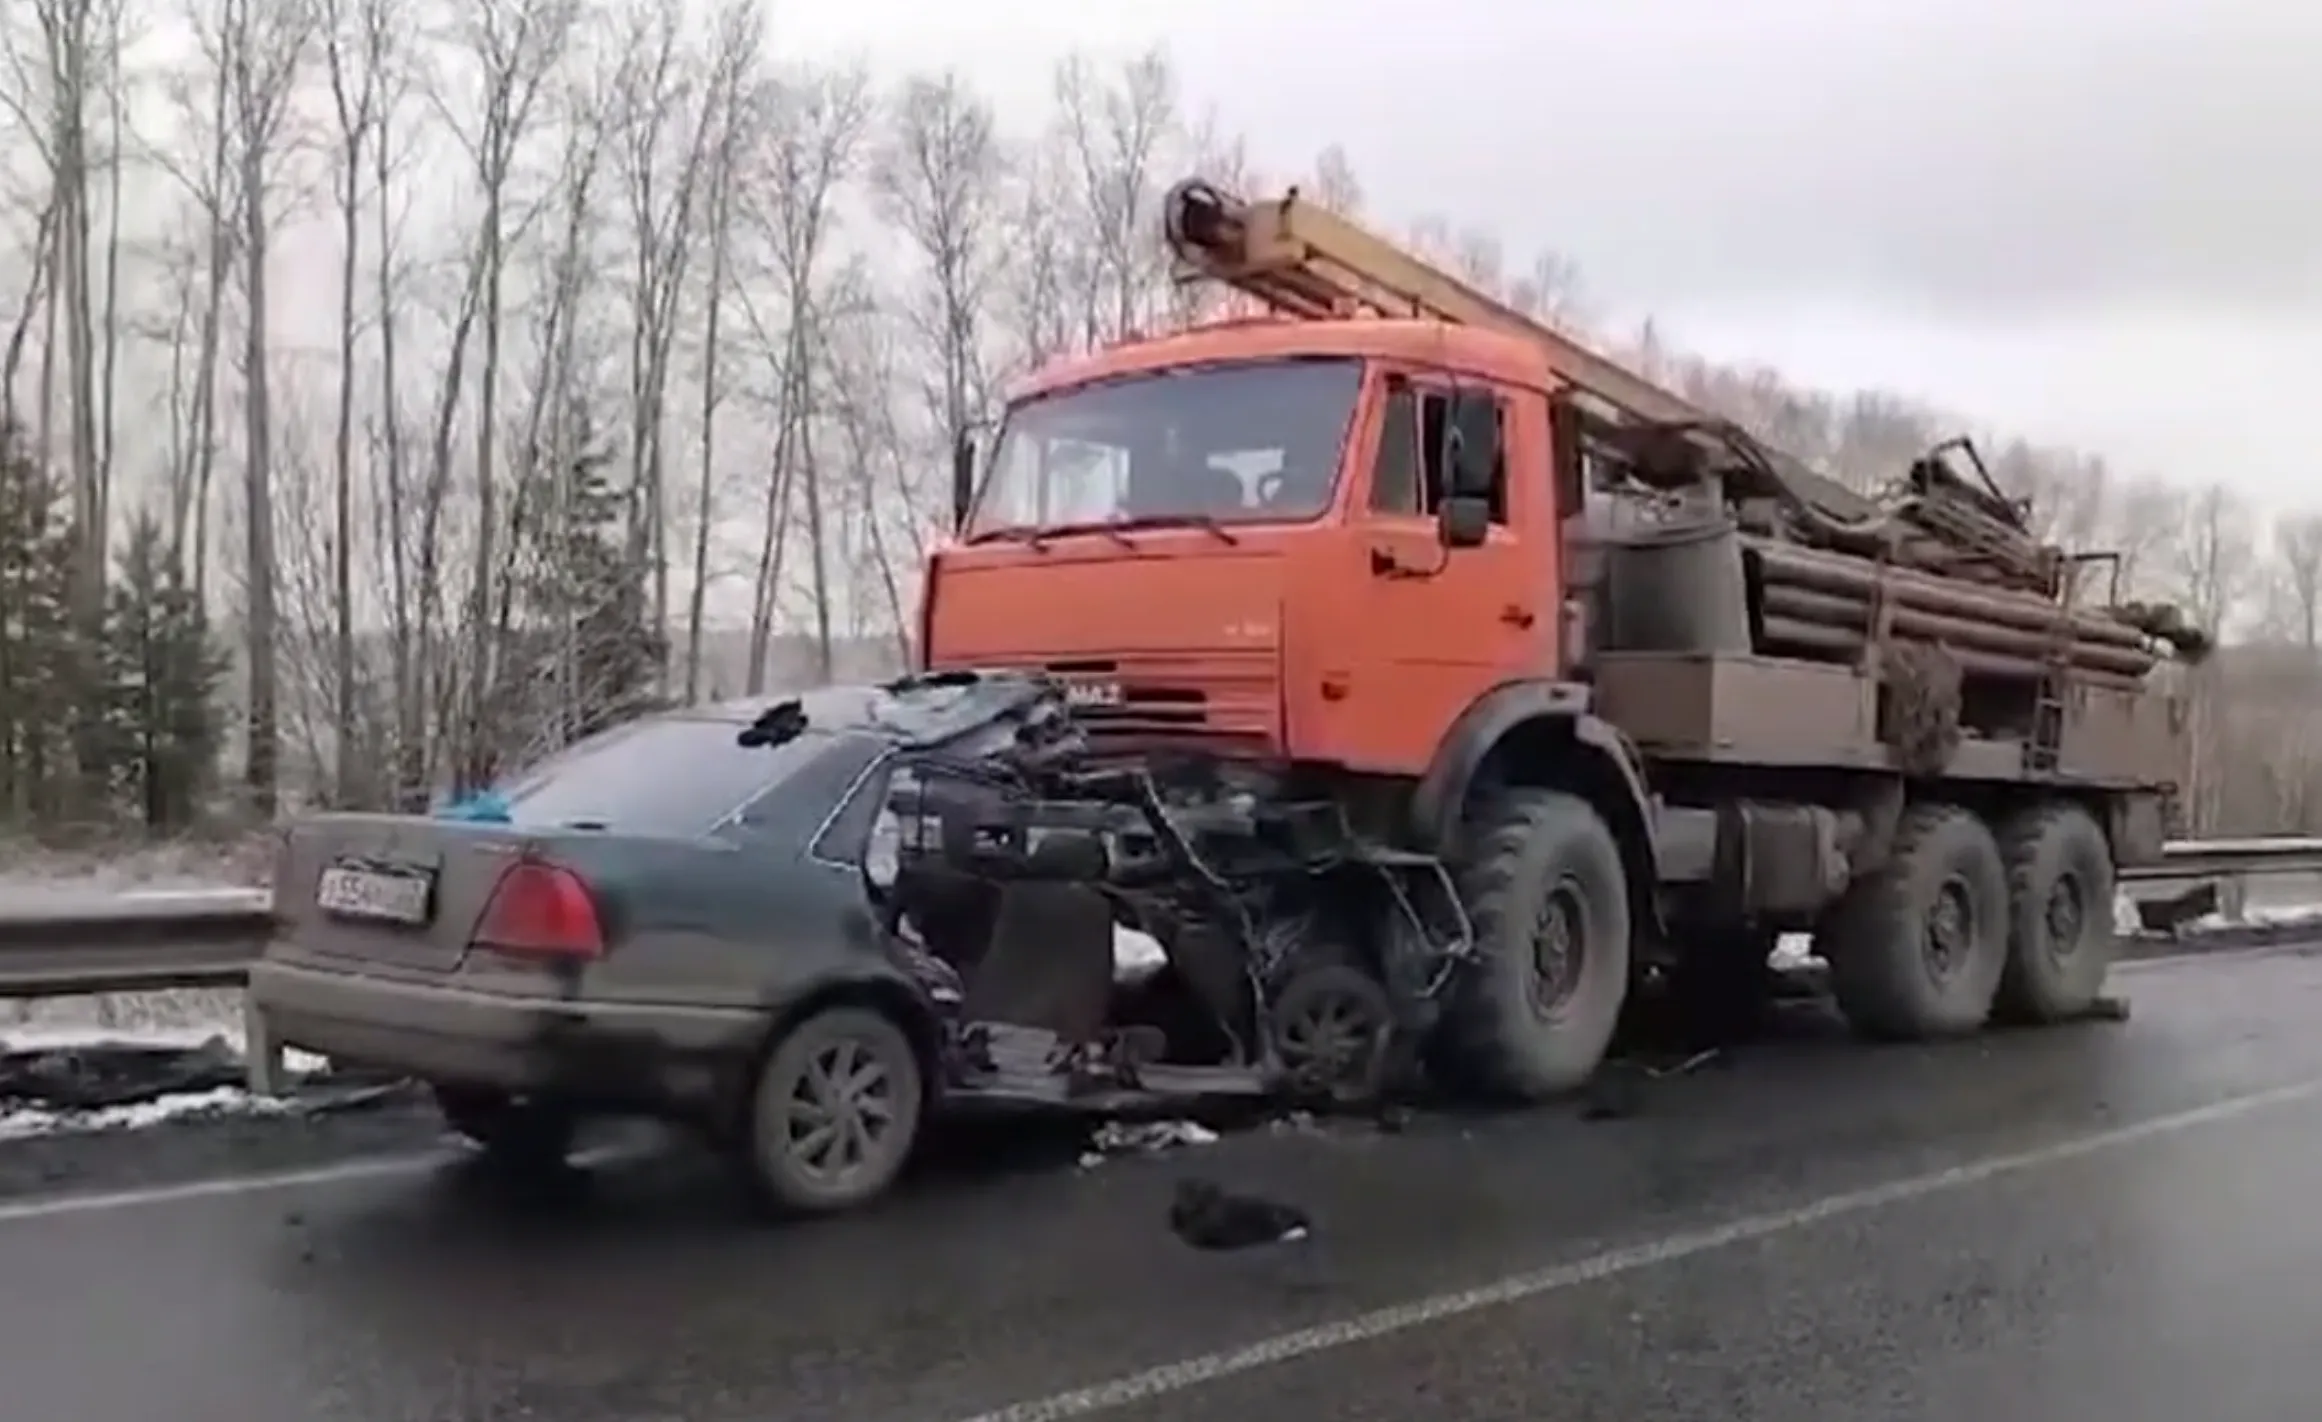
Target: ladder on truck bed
column 1303, row 260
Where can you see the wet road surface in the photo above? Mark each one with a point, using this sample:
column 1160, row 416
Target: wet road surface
column 2110, row 1220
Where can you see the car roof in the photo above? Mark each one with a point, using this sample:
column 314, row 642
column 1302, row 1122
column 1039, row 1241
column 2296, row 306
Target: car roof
column 910, row 712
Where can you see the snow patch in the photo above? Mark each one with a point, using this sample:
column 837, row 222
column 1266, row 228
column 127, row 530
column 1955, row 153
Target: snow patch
column 184, row 1105
column 185, row 864
column 48, row 1037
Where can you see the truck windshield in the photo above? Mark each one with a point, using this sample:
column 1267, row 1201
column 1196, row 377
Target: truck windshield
column 1243, row 442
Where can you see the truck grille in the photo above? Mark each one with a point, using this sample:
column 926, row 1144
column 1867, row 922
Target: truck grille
column 1224, row 701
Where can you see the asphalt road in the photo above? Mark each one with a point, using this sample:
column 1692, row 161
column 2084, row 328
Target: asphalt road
column 2109, row 1220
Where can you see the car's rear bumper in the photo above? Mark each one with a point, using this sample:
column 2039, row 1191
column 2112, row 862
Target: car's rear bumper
column 645, row 1056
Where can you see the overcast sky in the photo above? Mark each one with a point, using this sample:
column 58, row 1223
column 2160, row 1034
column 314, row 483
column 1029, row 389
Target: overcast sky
column 2095, row 222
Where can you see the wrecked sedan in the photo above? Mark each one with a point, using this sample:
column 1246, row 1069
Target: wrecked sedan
column 804, row 927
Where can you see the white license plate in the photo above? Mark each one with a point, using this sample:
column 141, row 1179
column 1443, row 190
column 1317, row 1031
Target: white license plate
column 367, row 893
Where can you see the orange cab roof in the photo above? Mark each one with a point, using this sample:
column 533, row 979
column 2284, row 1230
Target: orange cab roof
column 1488, row 353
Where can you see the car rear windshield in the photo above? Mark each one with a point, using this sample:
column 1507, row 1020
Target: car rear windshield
column 661, row 776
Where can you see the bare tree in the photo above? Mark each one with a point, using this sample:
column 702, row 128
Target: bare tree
column 939, row 178
column 357, row 45
column 264, row 45
column 1117, row 136
column 2297, row 562
column 56, row 74
column 514, row 47
column 1335, row 185
column 813, row 144
column 739, row 36
column 200, row 101
column 668, row 121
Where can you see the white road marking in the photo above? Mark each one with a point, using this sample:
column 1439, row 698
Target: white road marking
column 346, row 1172
column 1168, row 1378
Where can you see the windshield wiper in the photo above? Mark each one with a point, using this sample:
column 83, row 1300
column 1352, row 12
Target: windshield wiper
column 1109, row 527
column 1207, row 523
column 1024, row 533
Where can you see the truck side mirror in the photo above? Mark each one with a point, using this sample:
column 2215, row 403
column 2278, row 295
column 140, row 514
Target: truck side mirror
column 963, row 478
column 1463, row 521
column 1472, row 437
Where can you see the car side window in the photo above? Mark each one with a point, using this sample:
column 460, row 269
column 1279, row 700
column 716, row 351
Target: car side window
column 1407, row 474
column 854, row 828
column 801, row 808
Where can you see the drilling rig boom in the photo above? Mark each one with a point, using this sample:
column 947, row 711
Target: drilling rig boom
column 1302, row 260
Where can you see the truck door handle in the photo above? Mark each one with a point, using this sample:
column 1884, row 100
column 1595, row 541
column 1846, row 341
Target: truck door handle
column 1516, row 616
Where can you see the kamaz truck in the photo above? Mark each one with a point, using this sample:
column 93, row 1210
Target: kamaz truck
column 1438, row 688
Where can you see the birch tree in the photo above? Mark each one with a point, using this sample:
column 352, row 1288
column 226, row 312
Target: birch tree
column 264, row 46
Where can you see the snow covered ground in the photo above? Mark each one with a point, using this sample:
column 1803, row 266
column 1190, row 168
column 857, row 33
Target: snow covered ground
column 172, row 1020
column 205, row 864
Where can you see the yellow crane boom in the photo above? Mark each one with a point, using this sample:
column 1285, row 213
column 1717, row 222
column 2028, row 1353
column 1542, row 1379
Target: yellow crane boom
column 1303, row 260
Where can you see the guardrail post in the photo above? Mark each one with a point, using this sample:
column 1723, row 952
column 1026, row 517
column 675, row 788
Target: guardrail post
column 261, row 1054
column 2233, row 898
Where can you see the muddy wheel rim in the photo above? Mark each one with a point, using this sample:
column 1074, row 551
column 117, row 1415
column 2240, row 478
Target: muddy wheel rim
column 1331, row 1041
column 840, row 1116
column 1559, row 936
column 1950, row 932
column 2066, row 914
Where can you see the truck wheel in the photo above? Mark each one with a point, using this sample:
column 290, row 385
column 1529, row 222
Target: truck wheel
column 1916, row 949
column 511, row 1130
column 1533, row 1012
column 835, row 1113
column 2060, row 891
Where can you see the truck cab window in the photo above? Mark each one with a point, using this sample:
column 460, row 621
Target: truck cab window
column 1407, row 477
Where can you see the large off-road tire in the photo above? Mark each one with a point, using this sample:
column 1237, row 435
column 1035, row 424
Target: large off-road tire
column 2060, row 931
column 1532, row 1014
column 1916, row 949
column 511, row 1130
column 834, row 1115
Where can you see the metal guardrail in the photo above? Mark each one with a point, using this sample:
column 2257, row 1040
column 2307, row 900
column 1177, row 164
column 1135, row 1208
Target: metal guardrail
column 2230, row 858
column 60, row 944
column 63, row 943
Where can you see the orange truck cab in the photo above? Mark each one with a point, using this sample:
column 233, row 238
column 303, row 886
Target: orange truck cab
column 1270, row 538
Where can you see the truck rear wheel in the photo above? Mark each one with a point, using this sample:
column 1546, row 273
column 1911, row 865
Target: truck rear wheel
column 1533, row 1012
column 2060, row 892
column 1916, row 949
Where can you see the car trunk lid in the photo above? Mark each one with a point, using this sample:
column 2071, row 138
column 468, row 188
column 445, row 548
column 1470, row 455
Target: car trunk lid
column 401, row 895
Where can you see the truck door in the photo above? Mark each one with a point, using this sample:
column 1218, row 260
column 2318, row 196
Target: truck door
column 1434, row 627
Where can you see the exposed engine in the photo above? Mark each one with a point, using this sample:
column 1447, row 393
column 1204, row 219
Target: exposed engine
column 1299, row 955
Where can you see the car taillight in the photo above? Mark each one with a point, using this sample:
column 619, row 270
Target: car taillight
column 544, row 909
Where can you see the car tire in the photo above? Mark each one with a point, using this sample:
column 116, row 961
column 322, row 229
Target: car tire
column 516, row 1130
column 834, row 1114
